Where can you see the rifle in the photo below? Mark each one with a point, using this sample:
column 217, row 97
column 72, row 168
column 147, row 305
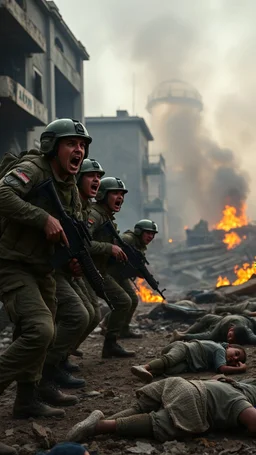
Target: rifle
column 79, row 240
column 136, row 260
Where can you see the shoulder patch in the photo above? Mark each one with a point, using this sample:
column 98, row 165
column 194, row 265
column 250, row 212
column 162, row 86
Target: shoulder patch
column 90, row 222
column 20, row 175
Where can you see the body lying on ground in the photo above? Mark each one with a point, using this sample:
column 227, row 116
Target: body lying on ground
column 246, row 308
column 175, row 408
column 194, row 356
column 233, row 329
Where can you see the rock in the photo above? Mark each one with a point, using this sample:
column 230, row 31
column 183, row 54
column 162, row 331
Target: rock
column 175, row 448
column 93, row 448
column 43, row 435
column 141, row 447
column 6, row 340
column 28, row 449
column 9, row 432
column 91, row 394
column 109, row 393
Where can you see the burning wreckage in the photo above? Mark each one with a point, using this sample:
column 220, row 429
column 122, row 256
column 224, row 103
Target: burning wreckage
column 213, row 266
column 222, row 257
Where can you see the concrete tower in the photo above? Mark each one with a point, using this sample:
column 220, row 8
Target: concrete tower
column 175, row 108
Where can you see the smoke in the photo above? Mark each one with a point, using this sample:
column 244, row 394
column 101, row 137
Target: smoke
column 207, row 176
column 210, row 45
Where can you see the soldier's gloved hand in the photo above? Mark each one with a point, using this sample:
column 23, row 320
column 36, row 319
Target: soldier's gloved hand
column 118, row 253
column 75, row 268
column 54, row 231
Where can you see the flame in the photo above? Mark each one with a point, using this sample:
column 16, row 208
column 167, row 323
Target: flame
column 243, row 274
column 230, row 220
column 145, row 294
column 185, row 228
column 232, row 239
column 170, row 240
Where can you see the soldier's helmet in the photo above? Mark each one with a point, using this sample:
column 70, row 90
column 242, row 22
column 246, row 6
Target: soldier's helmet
column 89, row 165
column 110, row 184
column 145, row 225
column 64, row 127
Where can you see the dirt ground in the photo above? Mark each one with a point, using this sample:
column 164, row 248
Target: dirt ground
column 116, row 386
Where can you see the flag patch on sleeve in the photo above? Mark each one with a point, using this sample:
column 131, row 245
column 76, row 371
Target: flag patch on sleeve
column 21, row 175
column 90, row 222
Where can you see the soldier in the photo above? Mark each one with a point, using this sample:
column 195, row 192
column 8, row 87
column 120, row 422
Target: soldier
column 232, row 328
column 109, row 200
column 143, row 233
column 88, row 182
column 28, row 287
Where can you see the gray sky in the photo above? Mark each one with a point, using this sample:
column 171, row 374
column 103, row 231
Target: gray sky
column 207, row 43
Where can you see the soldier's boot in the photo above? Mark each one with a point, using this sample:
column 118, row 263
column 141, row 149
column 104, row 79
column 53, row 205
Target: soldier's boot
column 7, row 450
column 62, row 378
column 51, row 394
column 112, row 349
column 27, row 403
column 69, row 366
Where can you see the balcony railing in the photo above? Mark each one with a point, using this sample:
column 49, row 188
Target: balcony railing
column 154, row 205
column 154, row 165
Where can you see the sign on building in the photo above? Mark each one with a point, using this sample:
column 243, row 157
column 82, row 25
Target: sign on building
column 24, row 99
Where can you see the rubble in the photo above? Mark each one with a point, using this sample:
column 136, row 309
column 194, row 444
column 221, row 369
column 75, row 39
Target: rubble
column 198, row 263
column 247, row 288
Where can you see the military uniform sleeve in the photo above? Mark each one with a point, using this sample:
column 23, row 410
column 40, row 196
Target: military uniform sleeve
column 127, row 239
column 97, row 247
column 14, row 187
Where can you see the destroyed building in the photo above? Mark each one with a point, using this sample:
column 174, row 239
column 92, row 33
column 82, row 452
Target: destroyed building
column 41, row 71
column 121, row 143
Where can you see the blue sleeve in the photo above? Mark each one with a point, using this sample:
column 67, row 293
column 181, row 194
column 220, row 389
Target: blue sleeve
column 219, row 358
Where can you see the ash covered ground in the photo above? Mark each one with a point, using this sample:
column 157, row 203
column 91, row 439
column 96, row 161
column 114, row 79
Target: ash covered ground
column 116, row 386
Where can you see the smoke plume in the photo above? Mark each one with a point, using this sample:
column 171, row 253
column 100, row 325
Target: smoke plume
column 210, row 45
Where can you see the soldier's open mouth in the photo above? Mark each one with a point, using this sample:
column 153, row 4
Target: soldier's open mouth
column 94, row 187
column 75, row 162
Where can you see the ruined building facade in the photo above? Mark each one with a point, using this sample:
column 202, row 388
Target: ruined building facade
column 41, row 71
column 121, row 144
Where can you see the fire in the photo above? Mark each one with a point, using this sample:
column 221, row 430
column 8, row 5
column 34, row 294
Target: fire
column 232, row 239
column 243, row 274
column 145, row 294
column 185, row 228
column 230, row 220
column 170, row 240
